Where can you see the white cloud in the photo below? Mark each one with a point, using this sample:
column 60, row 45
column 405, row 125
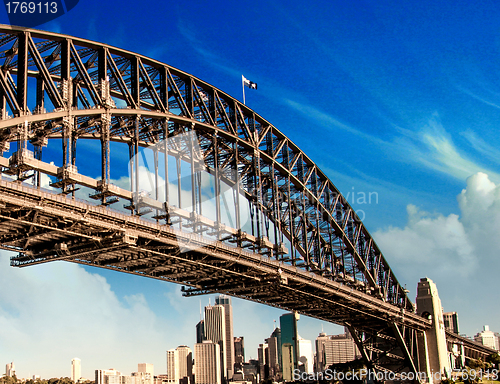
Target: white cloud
column 460, row 253
column 54, row 312
column 480, row 207
column 435, row 235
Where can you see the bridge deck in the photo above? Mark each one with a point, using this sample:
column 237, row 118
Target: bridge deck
column 45, row 227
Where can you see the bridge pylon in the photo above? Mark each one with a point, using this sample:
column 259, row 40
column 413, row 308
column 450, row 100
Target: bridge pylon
column 433, row 359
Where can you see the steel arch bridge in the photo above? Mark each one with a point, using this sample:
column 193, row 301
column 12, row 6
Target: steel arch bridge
column 303, row 249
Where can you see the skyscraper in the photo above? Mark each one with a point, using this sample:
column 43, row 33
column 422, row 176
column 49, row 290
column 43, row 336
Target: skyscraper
column 320, row 352
column 185, row 356
column 487, row 338
column 451, row 322
column 200, row 332
column 173, row 371
column 207, row 363
column 339, row 349
column 215, row 331
column 305, row 355
column 263, row 355
column 274, row 351
column 289, row 344
column 239, row 353
column 10, row 370
column 76, row 369
column 146, row 371
column 146, row 368
column 225, row 301
column 107, row 376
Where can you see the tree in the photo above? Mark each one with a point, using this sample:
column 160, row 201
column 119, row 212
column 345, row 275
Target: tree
column 470, row 375
column 476, row 364
column 494, row 359
column 8, row 380
column 447, row 381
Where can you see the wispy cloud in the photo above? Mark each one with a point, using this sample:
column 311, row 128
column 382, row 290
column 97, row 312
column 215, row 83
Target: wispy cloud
column 433, row 148
column 482, row 99
column 430, row 145
column 481, row 146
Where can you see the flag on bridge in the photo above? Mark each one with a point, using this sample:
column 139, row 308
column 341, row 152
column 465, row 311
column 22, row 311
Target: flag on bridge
column 248, row 83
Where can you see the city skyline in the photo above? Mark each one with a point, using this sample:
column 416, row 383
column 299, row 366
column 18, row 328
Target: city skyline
column 333, row 349
column 394, row 101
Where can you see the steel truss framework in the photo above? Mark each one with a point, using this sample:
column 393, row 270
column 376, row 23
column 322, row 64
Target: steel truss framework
column 471, row 349
column 59, row 87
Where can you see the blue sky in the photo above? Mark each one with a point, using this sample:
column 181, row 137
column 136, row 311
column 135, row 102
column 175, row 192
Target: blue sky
column 397, row 98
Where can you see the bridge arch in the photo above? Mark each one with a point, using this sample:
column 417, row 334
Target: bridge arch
column 57, row 91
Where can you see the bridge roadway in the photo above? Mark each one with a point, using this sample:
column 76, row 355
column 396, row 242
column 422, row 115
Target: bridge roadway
column 471, row 349
column 305, row 249
column 98, row 236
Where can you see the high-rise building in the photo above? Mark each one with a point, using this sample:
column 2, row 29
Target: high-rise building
column 289, row 344
column 112, row 376
column 320, row 352
column 107, row 376
column 451, row 322
column 274, row 350
column 339, row 349
column 76, row 370
column 200, row 332
column 487, row 338
column 137, row 378
column 185, row 356
column 142, row 377
column 173, row 370
column 239, row 353
column 263, row 356
column 147, row 372
column 146, row 368
column 215, row 331
column 10, row 370
column 225, row 301
column 251, row 371
column 207, row 363
column 305, row 361
column 334, row 349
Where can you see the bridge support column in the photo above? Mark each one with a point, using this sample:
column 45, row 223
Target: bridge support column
column 432, row 344
column 423, row 355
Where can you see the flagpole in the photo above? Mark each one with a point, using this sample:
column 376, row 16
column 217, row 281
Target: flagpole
column 243, row 87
